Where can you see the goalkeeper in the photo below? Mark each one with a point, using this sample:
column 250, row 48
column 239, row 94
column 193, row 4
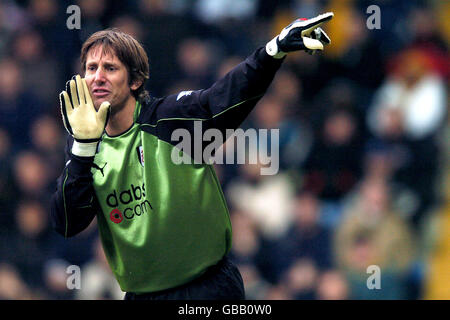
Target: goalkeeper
column 165, row 228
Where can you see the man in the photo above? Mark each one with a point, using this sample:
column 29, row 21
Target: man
column 164, row 227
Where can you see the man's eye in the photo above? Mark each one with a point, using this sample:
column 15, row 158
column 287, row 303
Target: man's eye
column 91, row 68
column 111, row 68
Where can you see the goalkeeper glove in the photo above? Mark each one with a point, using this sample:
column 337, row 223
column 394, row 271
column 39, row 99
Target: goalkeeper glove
column 80, row 118
column 301, row 34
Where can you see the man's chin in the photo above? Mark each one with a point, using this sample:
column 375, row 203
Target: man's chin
column 98, row 102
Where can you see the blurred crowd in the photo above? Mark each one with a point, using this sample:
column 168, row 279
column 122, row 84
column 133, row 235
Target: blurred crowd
column 364, row 145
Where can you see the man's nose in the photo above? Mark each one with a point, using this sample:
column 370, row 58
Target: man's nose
column 99, row 75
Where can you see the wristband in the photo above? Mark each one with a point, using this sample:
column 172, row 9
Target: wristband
column 84, row 149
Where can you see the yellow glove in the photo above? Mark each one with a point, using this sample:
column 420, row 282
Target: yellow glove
column 80, row 118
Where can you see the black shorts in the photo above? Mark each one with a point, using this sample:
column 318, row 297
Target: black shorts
column 222, row 281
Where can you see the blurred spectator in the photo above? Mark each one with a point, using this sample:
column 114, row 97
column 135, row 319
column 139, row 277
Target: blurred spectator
column 48, row 18
column 278, row 292
column 295, row 137
column 215, row 11
column 332, row 285
column 253, row 252
column 164, row 31
column 358, row 51
column 441, row 9
column 423, row 26
column 31, row 175
column 300, row 279
column 195, row 59
column 381, row 162
column 287, row 88
column 56, row 279
column 392, row 34
column 11, row 20
column 94, row 18
column 435, row 237
column 333, row 165
column 411, row 102
column 97, row 280
column 79, row 250
column 130, row 25
column 227, row 17
column 370, row 233
column 305, row 238
column 256, row 287
column 28, row 50
column 48, row 141
column 313, row 75
column 12, row 287
column 407, row 112
column 436, row 253
column 267, row 199
column 307, row 8
column 30, row 243
column 18, row 105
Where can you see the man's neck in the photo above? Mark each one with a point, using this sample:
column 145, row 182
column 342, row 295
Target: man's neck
column 121, row 119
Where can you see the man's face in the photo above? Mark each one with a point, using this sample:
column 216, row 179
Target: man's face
column 107, row 78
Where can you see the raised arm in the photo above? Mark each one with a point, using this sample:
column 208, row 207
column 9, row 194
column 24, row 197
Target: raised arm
column 74, row 204
column 227, row 103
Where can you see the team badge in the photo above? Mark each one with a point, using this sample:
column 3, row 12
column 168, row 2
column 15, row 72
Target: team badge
column 140, row 152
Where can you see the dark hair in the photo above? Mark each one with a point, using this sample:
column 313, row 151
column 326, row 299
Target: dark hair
column 127, row 49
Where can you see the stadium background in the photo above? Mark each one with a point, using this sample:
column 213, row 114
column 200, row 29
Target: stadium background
column 364, row 166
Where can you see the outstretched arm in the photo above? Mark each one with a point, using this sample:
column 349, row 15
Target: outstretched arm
column 227, row 103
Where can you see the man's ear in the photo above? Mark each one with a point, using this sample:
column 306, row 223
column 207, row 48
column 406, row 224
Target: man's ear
column 135, row 84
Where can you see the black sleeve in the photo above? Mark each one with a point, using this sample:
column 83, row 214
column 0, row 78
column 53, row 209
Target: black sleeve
column 224, row 105
column 74, row 204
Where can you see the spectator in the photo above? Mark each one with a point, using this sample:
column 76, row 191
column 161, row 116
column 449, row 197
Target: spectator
column 31, row 175
column 30, row 52
column 18, row 105
column 407, row 112
column 215, row 11
column 370, row 233
column 300, row 279
column 332, row 285
column 30, row 243
column 195, row 59
column 56, row 279
column 411, row 102
column 339, row 137
column 97, row 280
column 47, row 140
column 252, row 251
column 12, row 287
column 306, row 238
column 94, row 16
column 162, row 46
column 267, row 199
column 256, row 287
column 295, row 137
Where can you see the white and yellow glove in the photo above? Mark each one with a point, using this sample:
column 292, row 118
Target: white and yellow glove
column 301, row 34
column 81, row 120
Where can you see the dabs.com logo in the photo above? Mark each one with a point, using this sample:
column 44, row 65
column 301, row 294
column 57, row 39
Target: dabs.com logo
column 134, row 200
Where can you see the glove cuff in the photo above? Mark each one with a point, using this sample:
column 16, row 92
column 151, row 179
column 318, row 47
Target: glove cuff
column 84, row 149
column 273, row 50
